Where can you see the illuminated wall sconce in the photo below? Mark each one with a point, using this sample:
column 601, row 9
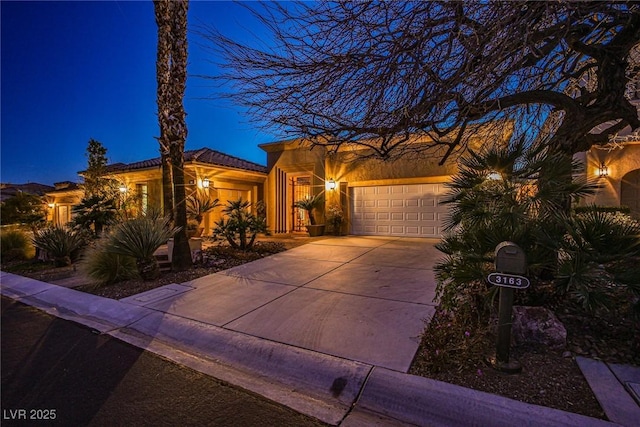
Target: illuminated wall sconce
column 331, row 184
column 205, row 183
column 123, row 188
column 603, row 170
column 52, row 205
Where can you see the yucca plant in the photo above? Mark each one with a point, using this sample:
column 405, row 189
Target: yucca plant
column 310, row 204
column 240, row 227
column 105, row 267
column 61, row 244
column 139, row 238
column 199, row 204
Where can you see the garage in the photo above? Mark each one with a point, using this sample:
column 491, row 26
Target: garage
column 411, row 210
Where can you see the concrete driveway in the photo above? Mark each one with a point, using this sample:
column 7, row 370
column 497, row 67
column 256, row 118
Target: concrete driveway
column 361, row 298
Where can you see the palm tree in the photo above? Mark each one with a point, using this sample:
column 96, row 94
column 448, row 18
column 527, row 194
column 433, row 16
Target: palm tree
column 198, row 204
column 171, row 69
column 309, row 204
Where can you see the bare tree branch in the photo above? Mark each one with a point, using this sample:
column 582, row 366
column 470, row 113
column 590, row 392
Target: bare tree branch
column 357, row 72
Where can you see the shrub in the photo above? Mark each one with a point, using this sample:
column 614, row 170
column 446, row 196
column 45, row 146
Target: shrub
column 61, row 244
column 504, row 193
column 199, row 204
column 24, row 208
column 14, row 245
column 596, row 238
column 310, row 204
column 105, row 267
column 610, row 209
column 241, row 226
column 94, row 213
column 139, row 238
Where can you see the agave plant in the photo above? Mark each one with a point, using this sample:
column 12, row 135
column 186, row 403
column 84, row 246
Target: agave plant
column 139, row 238
column 61, row 244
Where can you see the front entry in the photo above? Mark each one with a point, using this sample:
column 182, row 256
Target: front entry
column 630, row 192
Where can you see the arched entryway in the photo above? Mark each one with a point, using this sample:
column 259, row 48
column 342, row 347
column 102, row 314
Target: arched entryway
column 630, row 192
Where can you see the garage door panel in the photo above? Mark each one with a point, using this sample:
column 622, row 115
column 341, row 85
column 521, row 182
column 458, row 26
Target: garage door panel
column 398, row 210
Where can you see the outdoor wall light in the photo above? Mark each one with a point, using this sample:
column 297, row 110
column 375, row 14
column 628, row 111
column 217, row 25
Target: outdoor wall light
column 123, row 188
column 205, row 183
column 331, row 184
column 603, row 170
column 52, row 205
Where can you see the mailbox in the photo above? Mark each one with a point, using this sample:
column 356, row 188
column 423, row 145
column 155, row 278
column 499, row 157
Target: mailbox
column 509, row 258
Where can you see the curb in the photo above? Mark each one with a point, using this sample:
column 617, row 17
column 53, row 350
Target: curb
column 334, row 390
column 315, row 384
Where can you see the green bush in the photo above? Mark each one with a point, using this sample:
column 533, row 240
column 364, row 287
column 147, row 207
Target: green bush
column 24, row 208
column 105, row 267
column 240, row 227
column 14, row 246
column 594, row 240
column 611, row 209
column 94, row 213
column 139, row 238
column 61, row 244
column 503, row 193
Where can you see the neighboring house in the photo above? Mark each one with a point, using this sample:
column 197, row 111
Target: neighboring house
column 617, row 167
column 216, row 174
column 61, row 200
column 377, row 197
column 10, row 190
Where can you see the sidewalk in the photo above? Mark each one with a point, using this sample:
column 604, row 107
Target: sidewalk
column 257, row 344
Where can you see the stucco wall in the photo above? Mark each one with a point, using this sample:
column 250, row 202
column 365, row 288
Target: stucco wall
column 619, row 162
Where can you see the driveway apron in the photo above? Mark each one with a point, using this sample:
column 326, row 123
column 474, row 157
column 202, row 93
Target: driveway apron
column 361, row 298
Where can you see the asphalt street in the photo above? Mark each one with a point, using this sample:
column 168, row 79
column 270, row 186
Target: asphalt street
column 56, row 372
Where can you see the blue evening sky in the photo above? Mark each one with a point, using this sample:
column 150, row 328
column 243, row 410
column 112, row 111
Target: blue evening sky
column 77, row 70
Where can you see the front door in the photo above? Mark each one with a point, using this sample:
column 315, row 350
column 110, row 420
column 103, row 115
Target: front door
column 300, row 189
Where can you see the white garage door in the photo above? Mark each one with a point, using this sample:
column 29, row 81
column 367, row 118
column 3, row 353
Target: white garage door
column 398, row 210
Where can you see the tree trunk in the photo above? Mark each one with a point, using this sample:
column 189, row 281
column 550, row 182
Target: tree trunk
column 167, row 187
column 171, row 67
column 181, row 259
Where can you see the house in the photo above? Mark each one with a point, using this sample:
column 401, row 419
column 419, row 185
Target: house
column 401, row 197
column 617, row 166
column 8, row 190
column 217, row 175
column 61, row 200
column 377, row 197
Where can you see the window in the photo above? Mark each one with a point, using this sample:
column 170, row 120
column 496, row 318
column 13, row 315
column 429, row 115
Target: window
column 143, row 196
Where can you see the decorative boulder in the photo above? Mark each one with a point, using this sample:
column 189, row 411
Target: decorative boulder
column 538, row 325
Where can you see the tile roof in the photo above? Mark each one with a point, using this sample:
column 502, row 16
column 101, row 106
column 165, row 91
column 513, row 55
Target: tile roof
column 29, row 188
column 202, row 155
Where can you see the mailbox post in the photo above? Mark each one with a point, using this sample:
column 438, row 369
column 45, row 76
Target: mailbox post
column 510, row 265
